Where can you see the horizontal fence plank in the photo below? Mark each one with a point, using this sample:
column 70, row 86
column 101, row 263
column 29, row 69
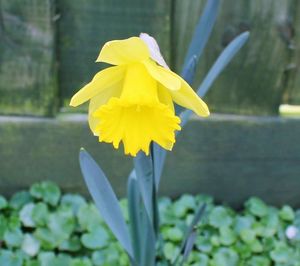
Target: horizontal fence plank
column 230, row 157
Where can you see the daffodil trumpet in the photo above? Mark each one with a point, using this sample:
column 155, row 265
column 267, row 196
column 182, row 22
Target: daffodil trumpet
column 132, row 101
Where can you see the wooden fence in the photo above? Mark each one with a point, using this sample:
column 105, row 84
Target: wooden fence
column 47, row 52
column 48, row 48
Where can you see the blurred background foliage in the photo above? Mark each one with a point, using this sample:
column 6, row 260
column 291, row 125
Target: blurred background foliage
column 48, row 48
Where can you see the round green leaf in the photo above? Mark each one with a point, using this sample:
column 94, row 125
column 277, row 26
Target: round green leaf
column 269, row 243
column 203, row 244
column 72, row 244
column 112, row 254
column 81, row 262
column 225, row 257
column 257, row 207
column 13, row 222
column 282, row 254
column 3, row 203
column 46, row 258
column 62, row 223
column 96, row 239
column 220, row 217
column 271, row 223
column 248, row 235
column 256, row 246
column 227, row 236
column 164, row 203
column 62, row 260
column 32, row 263
column 30, row 245
column 199, row 259
column 243, row 222
column 19, row 199
column 243, row 250
column 40, row 214
column 26, row 215
column 258, row 228
column 98, row 258
column 258, row 261
column 89, row 217
column 202, row 198
column 183, row 205
column 170, row 251
column 287, row 213
column 8, row 258
column 49, row 259
column 174, row 234
column 47, row 191
column 215, row 241
column 3, row 225
column 73, row 200
column 13, row 238
column 47, row 239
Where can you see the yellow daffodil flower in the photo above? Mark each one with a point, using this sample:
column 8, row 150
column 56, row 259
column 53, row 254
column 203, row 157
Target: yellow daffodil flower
column 132, row 101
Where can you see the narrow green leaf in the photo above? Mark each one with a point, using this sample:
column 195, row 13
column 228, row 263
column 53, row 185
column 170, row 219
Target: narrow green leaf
column 134, row 205
column 189, row 246
column 159, row 157
column 223, row 60
column 105, row 199
column 198, row 215
column 144, row 173
column 202, row 31
column 194, row 222
column 148, row 240
column 201, row 34
column 142, row 231
column 144, row 169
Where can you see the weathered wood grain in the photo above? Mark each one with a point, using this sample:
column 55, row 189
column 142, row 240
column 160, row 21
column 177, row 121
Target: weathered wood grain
column 230, row 157
column 255, row 82
column 27, row 57
column 84, row 26
column 292, row 71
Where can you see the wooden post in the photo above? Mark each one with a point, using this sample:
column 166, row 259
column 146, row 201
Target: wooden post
column 27, row 57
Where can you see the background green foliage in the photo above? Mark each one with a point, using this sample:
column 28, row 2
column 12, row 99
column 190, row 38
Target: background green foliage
column 44, row 227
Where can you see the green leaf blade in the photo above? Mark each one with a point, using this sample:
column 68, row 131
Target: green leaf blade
column 202, row 31
column 105, row 199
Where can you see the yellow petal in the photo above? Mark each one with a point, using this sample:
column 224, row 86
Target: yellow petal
column 165, row 76
column 100, row 99
column 139, row 87
column 122, row 52
column 136, row 125
column 165, row 97
column 187, row 98
column 101, row 81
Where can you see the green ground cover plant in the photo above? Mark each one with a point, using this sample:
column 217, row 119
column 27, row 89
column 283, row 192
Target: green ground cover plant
column 44, row 227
